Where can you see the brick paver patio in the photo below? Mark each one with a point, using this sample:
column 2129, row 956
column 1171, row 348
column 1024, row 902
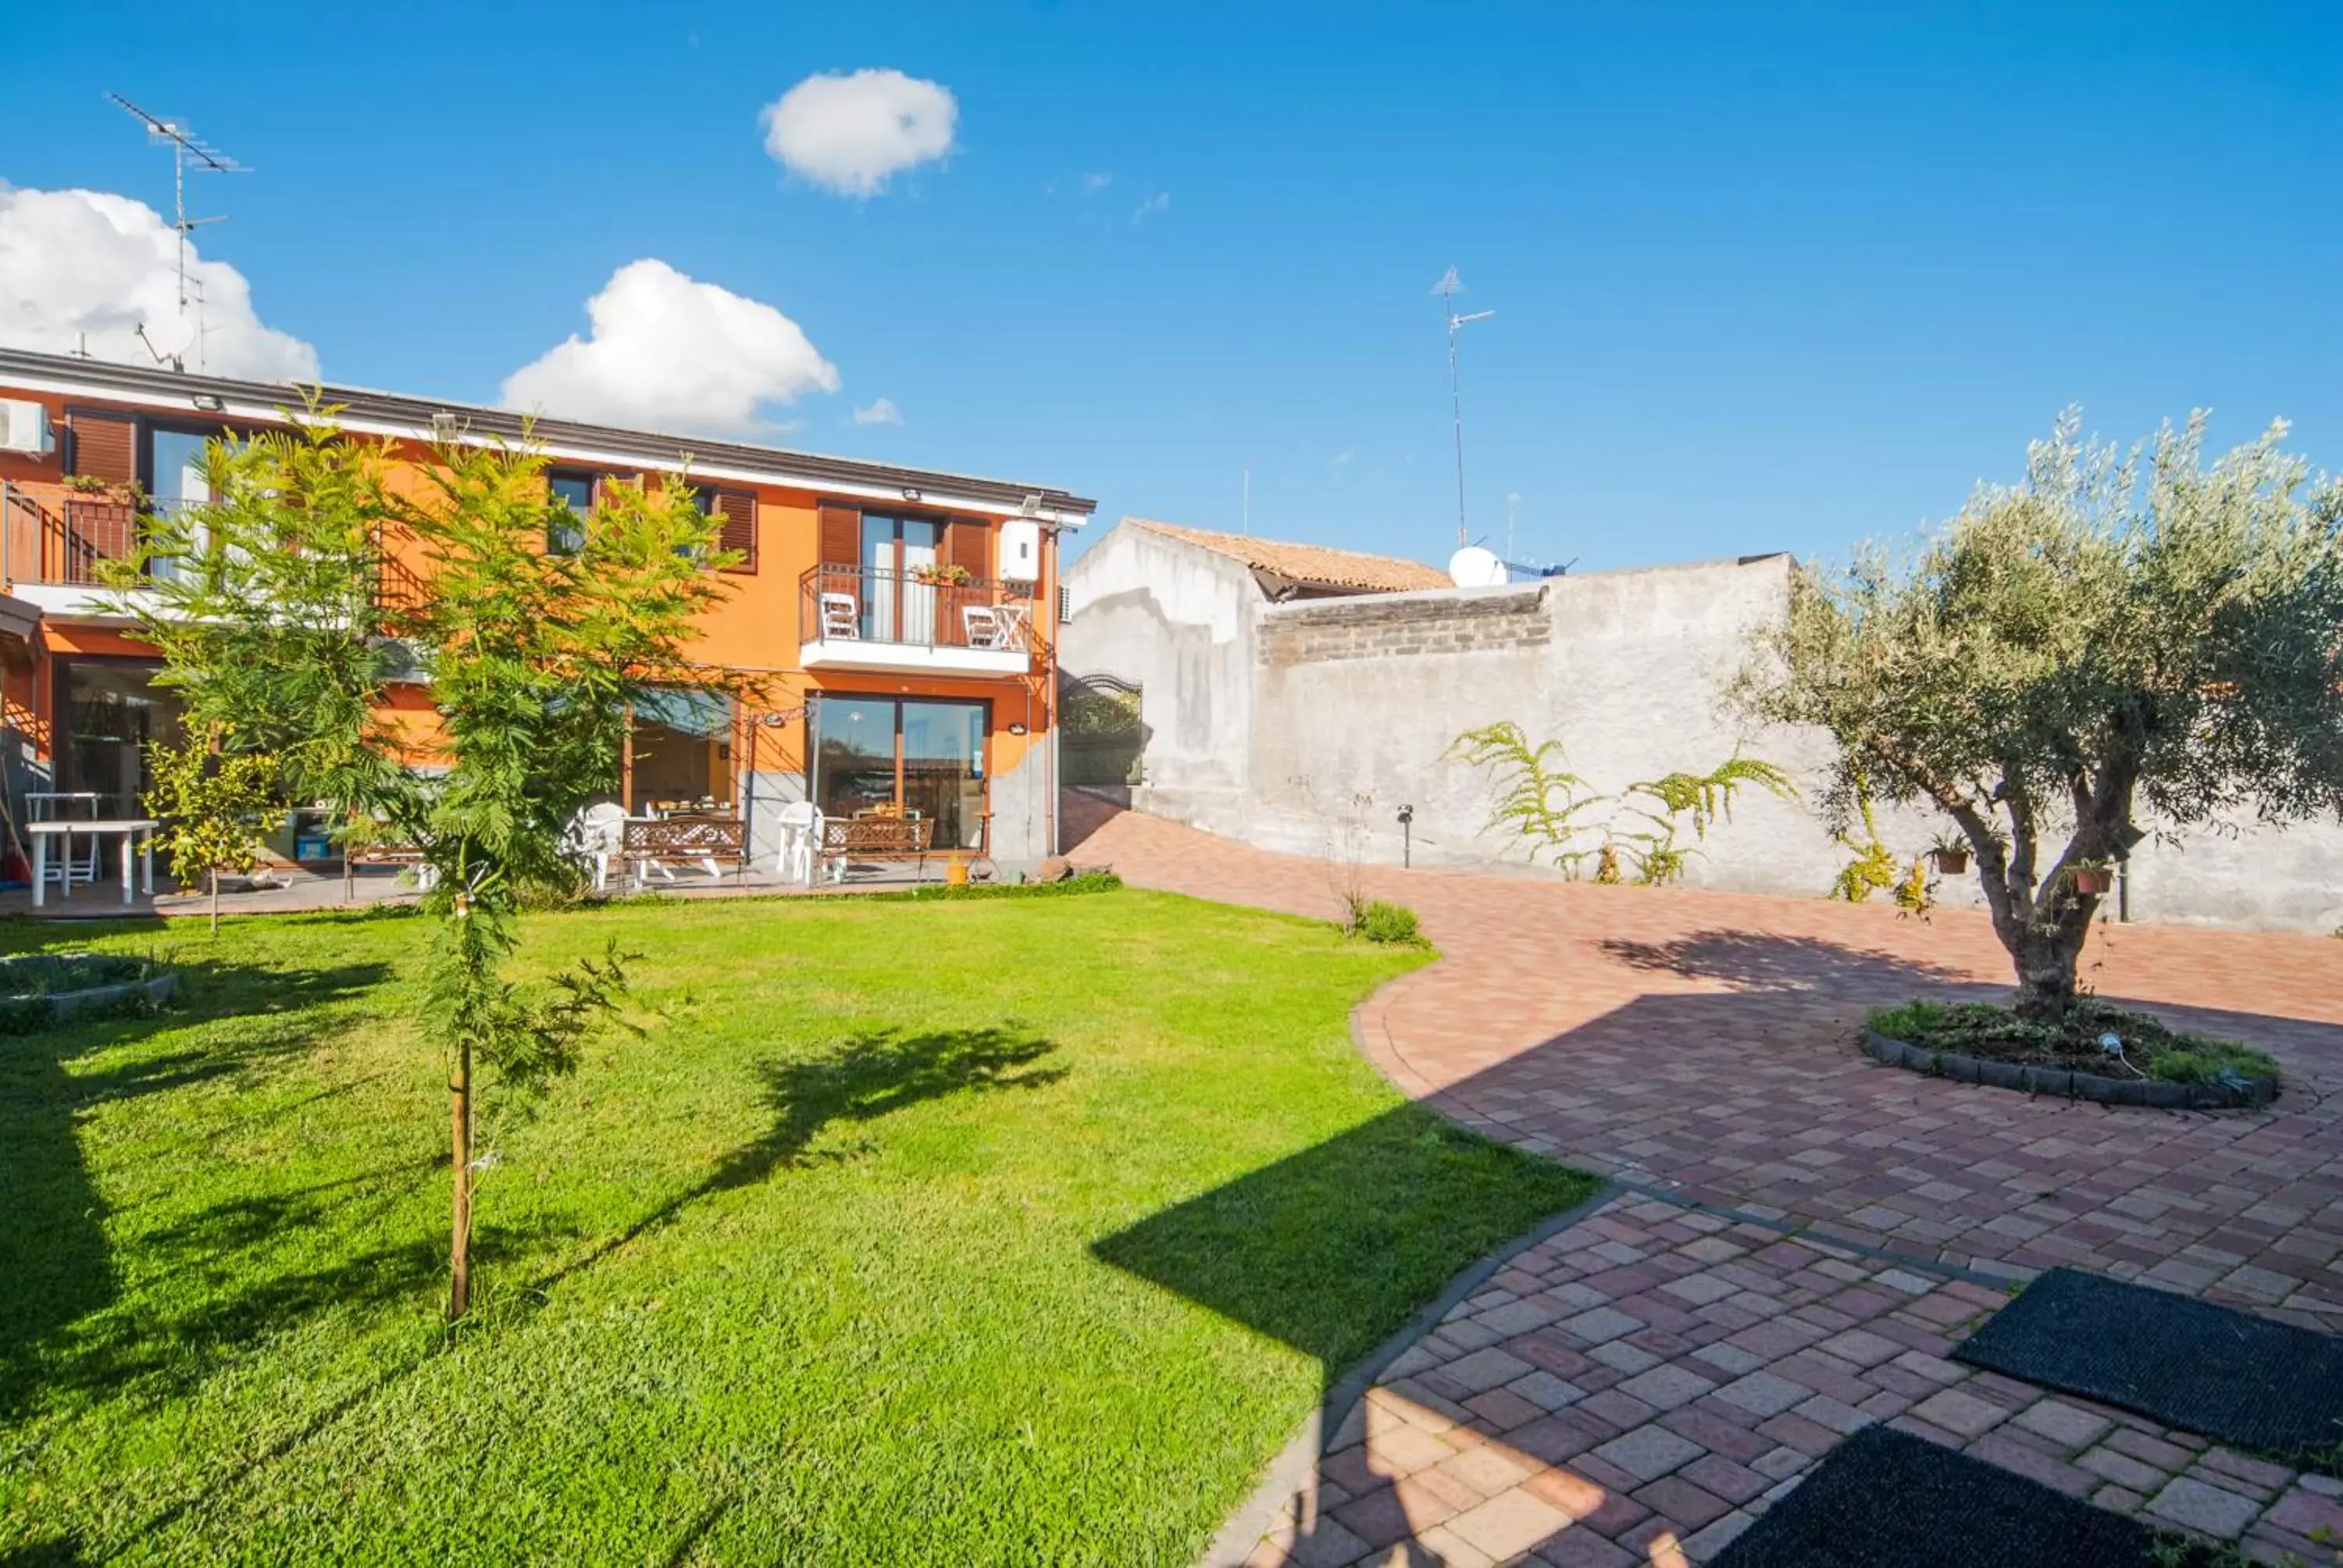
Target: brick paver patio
column 1699, row 1047
column 1636, row 1389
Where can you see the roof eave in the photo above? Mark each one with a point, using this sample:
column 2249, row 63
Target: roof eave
column 414, row 417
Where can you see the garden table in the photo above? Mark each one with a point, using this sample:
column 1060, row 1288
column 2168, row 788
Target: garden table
column 135, row 831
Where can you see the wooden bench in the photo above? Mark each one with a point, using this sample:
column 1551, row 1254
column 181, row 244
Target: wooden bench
column 705, row 842
column 847, row 839
column 406, row 857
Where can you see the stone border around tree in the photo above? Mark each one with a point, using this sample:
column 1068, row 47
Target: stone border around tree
column 2153, row 1093
column 157, row 989
column 66, row 1005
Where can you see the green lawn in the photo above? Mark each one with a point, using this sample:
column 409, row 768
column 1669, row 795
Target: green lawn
column 1010, row 1230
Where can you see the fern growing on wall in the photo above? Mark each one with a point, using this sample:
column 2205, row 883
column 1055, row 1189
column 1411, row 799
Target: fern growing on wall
column 1571, row 823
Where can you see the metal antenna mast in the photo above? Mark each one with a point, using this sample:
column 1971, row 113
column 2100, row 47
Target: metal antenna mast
column 1447, row 289
column 185, row 147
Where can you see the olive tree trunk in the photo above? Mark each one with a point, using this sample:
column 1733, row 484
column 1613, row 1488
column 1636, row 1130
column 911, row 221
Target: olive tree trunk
column 2048, row 952
column 2045, row 923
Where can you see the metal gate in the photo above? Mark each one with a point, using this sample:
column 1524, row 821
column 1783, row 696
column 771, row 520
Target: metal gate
column 1100, row 735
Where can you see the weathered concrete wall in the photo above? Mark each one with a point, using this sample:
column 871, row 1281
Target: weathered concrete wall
column 1326, row 716
column 1625, row 669
column 1179, row 622
column 765, row 792
column 1021, row 812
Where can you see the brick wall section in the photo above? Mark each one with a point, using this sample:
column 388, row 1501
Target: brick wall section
column 1385, row 626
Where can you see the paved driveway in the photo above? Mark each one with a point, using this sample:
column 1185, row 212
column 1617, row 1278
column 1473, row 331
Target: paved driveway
column 1701, row 1045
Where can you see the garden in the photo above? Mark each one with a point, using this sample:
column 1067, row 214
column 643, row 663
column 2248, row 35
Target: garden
column 914, row 1232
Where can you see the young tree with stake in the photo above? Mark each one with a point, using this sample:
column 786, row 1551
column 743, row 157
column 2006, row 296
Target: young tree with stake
column 281, row 627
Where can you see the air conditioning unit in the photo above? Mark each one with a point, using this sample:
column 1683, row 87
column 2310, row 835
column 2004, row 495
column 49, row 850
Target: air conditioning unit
column 1020, row 550
column 25, row 427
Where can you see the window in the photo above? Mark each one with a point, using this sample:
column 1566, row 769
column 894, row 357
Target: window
column 573, row 497
column 736, row 511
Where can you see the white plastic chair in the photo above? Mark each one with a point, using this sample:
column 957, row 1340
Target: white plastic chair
column 983, row 627
column 839, row 618
column 600, row 831
column 800, row 823
column 62, row 805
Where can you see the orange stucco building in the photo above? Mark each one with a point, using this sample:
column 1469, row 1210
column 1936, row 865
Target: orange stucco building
column 903, row 621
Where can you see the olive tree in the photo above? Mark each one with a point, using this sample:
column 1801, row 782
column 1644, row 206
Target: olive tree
column 2124, row 637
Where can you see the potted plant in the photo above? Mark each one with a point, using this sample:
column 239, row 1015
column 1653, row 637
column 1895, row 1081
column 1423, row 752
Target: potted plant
column 94, row 486
column 2091, row 878
column 1949, row 854
column 936, row 573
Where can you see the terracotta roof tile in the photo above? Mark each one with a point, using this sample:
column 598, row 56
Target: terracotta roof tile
column 1308, row 563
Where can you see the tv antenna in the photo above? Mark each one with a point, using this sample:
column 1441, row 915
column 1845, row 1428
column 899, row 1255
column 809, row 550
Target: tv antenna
column 185, row 148
column 1513, row 499
column 1448, row 287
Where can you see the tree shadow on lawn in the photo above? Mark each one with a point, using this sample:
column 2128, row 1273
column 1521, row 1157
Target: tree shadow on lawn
column 1333, row 1249
column 149, row 1360
column 1330, row 1250
column 873, row 1075
column 55, row 1269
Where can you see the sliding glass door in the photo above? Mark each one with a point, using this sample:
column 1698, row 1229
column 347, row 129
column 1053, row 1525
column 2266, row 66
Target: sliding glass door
column 897, row 605
column 918, row 756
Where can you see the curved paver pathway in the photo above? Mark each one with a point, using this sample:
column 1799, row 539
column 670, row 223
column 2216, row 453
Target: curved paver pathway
column 1636, row 1389
column 1701, row 1044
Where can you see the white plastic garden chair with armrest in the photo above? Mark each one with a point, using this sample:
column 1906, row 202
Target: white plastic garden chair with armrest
column 598, row 831
column 841, row 617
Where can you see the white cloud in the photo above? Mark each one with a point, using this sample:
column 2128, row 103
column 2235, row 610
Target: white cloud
column 1093, row 184
column 76, row 262
column 881, row 412
column 1160, row 202
column 850, row 133
column 669, row 353
column 1342, row 460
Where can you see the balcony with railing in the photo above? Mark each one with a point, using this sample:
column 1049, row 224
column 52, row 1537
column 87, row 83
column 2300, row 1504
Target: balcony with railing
column 58, row 543
column 879, row 619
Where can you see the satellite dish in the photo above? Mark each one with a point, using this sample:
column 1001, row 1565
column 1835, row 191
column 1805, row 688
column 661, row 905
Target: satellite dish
column 1473, row 567
column 170, row 335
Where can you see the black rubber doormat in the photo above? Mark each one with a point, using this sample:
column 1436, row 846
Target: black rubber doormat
column 1884, row 1497
column 2255, row 1384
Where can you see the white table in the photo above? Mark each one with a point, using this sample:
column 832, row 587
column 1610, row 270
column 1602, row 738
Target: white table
column 136, row 833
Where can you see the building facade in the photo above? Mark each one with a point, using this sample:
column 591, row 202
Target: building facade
column 901, row 622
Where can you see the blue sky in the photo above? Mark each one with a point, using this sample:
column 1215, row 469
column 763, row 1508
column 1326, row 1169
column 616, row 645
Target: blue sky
column 1766, row 277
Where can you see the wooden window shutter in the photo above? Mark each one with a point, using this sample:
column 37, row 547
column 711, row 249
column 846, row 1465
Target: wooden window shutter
column 970, row 544
column 842, row 536
column 738, row 508
column 105, row 447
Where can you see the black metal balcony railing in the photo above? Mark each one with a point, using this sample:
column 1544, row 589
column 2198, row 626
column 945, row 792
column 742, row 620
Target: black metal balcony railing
column 54, row 534
column 914, row 608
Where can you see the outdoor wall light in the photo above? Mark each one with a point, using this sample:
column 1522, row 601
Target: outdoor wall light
column 909, row 494
column 1016, row 730
column 210, row 402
